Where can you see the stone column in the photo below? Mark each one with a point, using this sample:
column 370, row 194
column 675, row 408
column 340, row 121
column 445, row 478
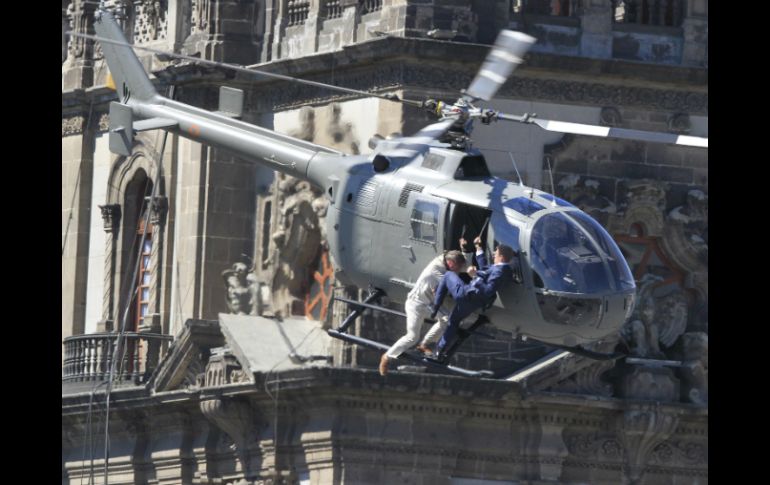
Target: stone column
column 151, row 321
column 78, row 68
column 111, row 215
column 596, row 23
column 77, row 173
column 696, row 34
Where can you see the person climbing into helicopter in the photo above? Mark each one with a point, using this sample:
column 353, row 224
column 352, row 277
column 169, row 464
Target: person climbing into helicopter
column 479, row 294
column 418, row 302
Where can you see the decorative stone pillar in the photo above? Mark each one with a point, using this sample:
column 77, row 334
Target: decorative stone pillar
column 596, row 23
column 225, row 30
column 111, row 216
column 151, row 322
column 78, row 68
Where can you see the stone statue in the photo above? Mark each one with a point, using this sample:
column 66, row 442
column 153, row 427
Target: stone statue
column 239, row 295
column 655, row 321
column 298, row 241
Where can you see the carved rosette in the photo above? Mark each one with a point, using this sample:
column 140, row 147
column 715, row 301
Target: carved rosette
column 641, row 430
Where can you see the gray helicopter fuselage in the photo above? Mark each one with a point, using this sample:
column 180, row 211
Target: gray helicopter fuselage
column 384, row 228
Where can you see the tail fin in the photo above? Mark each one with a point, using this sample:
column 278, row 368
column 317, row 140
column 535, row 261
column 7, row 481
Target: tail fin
column 129, row 77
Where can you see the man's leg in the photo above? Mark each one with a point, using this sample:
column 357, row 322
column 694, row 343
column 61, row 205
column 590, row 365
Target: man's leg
column 415, row 314
column 461, row 310
column 435, row 332
column 462, row 294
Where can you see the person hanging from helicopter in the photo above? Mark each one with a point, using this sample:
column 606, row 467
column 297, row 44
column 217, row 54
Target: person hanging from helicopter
column 418, row 302
column 479, row 294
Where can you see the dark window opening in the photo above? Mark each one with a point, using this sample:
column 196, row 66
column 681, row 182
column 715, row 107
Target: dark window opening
column 472, row 167
column 267, row 214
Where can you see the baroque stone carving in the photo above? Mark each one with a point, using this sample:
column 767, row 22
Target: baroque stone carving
column 593, row 445
column 688, row 453
column 398, row 74
column 585, row 195
column 298, row 241
column 104, row 122
column 240, row 294
column 200, row 15
column 641, row 430
column 73, row 125
column 695, row 368
column 687, row 232
column 610, row 116
column 150, row 20
column 655, row 321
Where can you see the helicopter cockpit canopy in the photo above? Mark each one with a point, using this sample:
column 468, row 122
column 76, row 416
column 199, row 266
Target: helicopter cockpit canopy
column 572, row 253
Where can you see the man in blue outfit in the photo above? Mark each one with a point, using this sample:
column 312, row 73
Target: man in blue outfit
column 479, row 293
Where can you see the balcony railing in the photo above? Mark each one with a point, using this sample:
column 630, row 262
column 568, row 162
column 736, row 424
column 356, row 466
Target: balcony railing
column 89, row 357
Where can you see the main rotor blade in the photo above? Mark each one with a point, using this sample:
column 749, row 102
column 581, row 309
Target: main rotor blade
column 610, row 132
column 251, row 70
column 412, row 146
column 507, row 53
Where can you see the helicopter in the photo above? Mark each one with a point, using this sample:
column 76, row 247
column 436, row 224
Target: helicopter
column 411, row 199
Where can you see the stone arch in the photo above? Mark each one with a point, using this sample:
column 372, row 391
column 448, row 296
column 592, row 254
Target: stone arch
column 129, row 176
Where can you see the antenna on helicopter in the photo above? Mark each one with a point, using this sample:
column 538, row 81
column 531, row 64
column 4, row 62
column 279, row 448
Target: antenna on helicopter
column 521, row 182
column 550, row 174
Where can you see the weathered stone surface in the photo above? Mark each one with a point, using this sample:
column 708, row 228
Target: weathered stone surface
column 201, row 419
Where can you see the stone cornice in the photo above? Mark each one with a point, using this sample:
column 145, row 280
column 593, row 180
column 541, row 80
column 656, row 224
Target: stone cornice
column 395, row 63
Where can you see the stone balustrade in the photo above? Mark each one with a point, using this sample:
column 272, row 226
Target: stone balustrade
column 89, row 357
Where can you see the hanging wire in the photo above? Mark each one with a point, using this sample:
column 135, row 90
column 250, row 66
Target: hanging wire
column 120, row 349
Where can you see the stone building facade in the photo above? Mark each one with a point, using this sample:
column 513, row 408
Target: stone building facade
column 224, row 236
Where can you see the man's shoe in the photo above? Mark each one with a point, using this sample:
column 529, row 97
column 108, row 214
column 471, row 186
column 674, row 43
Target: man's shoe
column 424, row 349
column 384, row 365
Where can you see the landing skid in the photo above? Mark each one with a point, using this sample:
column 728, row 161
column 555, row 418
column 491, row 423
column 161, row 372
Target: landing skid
column 414, row 357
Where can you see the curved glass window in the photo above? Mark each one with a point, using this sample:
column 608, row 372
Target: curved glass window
column 523, row 205
column 624, row 280
column 504, row 232
column 559, row 201
column 564, row 259
column 576, row 312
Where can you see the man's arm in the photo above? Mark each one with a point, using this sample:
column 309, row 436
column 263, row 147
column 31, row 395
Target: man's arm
column 441, row 291
column 481, row 257
column 494, row 281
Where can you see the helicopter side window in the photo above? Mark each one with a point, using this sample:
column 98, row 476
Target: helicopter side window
column 471, row 167
column 424, row 221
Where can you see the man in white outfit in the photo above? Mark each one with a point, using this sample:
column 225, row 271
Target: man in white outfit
column 418, row 303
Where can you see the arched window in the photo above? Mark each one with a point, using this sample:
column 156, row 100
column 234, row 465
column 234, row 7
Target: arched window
column 136, row 205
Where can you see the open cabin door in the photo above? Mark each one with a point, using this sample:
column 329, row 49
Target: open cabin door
column 466, row 221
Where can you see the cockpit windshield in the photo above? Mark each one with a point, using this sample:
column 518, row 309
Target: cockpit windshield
column 572, row 253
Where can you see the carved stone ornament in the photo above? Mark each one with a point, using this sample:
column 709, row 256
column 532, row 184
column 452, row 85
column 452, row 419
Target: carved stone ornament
column 110, row 216
column 398, row 74
column 686, row 235
column 104, row 122
column 610, row 116
column 72, row 126
column 641, row 430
